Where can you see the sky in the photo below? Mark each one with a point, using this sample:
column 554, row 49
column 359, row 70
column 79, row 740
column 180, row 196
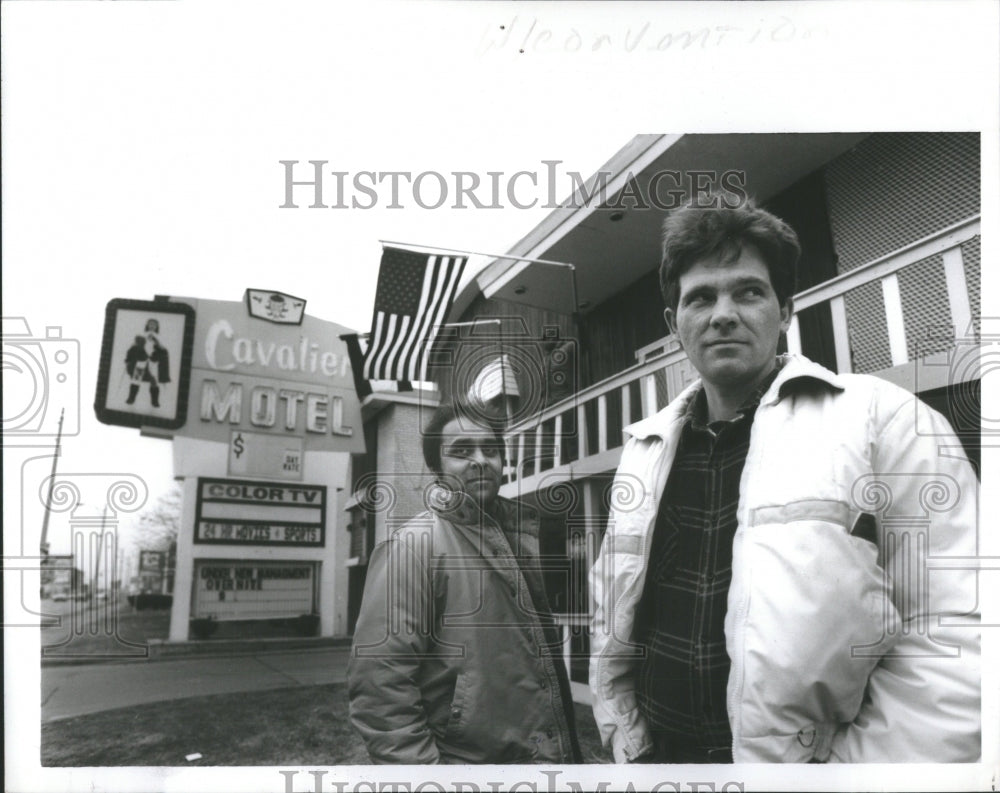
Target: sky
column 144, row 158
column 142, row 148
column 143, row 143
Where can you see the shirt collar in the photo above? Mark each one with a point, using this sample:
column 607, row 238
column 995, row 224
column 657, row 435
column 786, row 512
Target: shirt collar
column 795, row 368
column 696, row 414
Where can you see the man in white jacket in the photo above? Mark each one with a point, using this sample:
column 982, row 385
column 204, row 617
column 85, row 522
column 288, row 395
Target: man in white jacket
column 788, row 576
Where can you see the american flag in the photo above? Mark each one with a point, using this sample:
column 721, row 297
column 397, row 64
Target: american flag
column 414, row 293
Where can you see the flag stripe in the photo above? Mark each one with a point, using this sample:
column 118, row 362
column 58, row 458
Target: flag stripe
column 377, row 349
column 449, row 286
column 427, row 296
column 373, row 344
column 452, row 290
column 393, row 327
column 430, row 320
column 403, row 326
column 368, row 360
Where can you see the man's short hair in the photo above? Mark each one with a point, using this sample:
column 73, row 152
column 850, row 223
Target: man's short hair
column 693, row 233
column 445, row 412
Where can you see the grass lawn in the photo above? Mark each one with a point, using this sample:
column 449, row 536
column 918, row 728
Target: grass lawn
column 95, row 630
column 302, row 726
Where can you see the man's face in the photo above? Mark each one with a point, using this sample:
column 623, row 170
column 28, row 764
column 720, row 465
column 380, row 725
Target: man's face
column 728, row 320
column 472, row 456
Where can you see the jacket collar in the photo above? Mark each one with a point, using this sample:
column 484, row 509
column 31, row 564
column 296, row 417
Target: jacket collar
column 795, row 370
column 458, row 508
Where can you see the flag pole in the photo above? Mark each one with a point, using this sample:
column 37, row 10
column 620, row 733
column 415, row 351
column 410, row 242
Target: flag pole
column 503, row 379
column 486, row 321
column 480, row 253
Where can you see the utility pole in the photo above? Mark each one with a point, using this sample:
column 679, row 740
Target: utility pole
column 43, row 545
column 100, row 550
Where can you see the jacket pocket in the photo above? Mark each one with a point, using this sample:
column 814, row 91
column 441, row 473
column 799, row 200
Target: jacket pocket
column 816, row 603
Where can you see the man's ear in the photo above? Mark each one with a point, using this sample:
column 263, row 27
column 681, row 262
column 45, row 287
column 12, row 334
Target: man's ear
column 671, row 319
column 787, row 309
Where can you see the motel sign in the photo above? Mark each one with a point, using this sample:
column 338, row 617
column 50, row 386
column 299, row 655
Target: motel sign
column 287, row 380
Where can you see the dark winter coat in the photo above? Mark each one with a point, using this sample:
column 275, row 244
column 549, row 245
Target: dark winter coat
column 455, row 657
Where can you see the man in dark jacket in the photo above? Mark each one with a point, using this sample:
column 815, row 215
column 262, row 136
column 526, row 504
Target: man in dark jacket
column 455, row 656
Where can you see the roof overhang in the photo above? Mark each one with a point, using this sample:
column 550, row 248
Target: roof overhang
column 611, row 236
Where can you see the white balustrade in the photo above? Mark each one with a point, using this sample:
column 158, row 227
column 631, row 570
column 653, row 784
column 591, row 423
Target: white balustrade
column 675, row 370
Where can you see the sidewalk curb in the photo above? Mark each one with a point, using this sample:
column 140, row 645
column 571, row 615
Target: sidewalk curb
column 163, row 650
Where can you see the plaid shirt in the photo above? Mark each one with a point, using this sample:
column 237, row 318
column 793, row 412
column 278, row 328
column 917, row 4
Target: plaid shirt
column 681, row 684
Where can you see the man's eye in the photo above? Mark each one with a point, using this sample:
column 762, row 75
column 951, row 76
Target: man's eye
column 462, row 451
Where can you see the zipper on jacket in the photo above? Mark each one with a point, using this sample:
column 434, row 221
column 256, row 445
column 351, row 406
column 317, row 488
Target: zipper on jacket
column 739, row 635
column 547, row 658
column 737, row 665
column 652, row 467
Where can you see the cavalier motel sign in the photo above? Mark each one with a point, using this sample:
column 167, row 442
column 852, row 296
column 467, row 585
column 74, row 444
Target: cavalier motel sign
column 250, row 375
column 259, row 400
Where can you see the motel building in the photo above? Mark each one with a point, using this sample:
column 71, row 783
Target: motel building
column 889, row 285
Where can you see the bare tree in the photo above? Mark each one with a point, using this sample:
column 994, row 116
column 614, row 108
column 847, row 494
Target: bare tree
column 158, row 526
column 157, row 530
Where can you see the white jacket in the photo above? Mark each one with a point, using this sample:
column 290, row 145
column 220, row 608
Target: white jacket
column 842, row 648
